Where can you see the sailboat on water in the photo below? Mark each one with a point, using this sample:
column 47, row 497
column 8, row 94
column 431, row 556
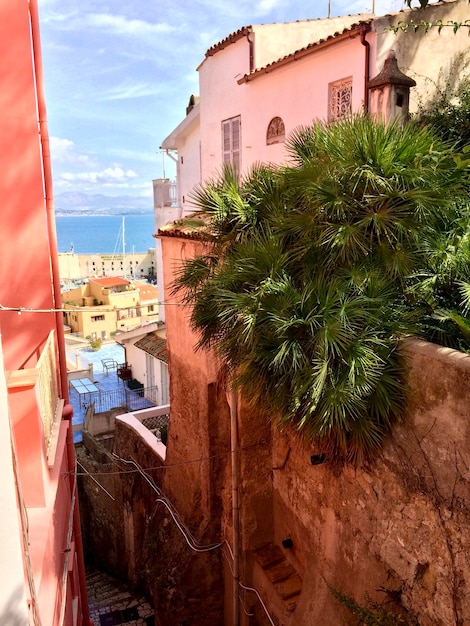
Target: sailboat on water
column 121, row 244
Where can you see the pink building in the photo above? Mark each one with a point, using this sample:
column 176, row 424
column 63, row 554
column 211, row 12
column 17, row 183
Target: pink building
column 41, row 562
column 262, row 81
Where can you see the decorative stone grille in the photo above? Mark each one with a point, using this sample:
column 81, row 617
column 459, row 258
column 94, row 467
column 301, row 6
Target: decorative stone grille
column 340, row 101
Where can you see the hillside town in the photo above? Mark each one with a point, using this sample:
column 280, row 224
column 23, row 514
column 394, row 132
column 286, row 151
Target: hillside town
column 262, row 421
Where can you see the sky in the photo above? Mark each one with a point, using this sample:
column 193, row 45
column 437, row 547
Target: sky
column 118, row 76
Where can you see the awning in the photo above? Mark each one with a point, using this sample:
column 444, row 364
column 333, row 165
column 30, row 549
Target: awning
column 153, row 345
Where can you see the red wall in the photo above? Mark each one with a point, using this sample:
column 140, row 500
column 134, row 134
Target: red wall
column 25, row 276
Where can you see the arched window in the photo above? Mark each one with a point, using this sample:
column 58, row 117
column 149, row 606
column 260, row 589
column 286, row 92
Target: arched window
column 276, row 132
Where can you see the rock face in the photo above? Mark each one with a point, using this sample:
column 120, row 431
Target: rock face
column 397, row 531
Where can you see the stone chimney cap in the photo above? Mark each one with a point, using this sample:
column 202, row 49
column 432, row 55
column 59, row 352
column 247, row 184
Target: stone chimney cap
column 391, row 74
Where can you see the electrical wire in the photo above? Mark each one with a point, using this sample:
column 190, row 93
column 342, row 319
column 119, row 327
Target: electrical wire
column 169, row 465
column 22, row 309
column 252, row 589
column 86, row 473
column 190, row 540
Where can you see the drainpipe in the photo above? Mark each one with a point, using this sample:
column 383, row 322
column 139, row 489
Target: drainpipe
column 363, row 32
column 53, row 250
column 235, row 505
column 251, row 40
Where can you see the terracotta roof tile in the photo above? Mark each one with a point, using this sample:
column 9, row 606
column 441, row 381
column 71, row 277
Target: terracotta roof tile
column 110, row 281
column 153, row 345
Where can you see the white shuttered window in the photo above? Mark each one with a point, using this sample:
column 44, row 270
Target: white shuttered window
column 231, row 141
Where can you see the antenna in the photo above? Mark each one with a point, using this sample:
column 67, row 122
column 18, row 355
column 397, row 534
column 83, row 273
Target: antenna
column 124, row 247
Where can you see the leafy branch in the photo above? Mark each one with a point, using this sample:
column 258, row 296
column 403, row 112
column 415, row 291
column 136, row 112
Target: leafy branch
column 425, row 25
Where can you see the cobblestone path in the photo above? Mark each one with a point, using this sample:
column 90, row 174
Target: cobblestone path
column 111, row 603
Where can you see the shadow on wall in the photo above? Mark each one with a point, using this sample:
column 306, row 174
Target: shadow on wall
column 14, row 612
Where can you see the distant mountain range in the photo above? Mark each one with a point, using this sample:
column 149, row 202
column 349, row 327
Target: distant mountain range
column 76, row 203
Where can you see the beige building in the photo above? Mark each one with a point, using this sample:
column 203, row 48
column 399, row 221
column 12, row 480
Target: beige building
column 105, row 305
column 76, row 267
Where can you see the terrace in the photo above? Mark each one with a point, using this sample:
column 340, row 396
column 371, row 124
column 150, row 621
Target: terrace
column 111, row 392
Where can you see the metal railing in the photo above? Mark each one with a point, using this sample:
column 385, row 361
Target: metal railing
column 121, row 397
column 164, row 193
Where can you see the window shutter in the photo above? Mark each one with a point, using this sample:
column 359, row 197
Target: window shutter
column 236, row 143
column 226, row 144
column 231, row 142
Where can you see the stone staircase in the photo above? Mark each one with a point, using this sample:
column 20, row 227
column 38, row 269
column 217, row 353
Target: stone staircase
column 280, row 572
column 112, row 604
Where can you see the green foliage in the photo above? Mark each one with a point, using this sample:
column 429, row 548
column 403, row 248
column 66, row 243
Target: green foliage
column 448, row 112
column 441, row 286
column 425, row 25
column 371, row 613
column 302, row 292
column 95, row 344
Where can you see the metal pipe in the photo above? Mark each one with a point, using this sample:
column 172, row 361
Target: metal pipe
column 235, row 505
column 362, row 33
column 53, row 250
column 251, row 43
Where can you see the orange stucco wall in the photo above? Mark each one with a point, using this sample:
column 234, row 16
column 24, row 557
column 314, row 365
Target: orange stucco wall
column 42, row 486
column 25, row 276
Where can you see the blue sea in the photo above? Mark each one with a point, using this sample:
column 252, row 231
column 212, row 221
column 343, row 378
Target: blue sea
column 102, row 234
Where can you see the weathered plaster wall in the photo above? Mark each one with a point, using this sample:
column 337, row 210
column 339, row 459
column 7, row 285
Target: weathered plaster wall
column 401, row 525
column 429, row 58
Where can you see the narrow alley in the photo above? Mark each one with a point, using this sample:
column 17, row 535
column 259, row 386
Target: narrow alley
column 111, row 603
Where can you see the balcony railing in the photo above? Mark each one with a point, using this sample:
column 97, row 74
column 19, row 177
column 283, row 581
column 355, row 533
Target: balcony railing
column 48, row 388
column 43, row 376
column 164, row 193
column 123, row 397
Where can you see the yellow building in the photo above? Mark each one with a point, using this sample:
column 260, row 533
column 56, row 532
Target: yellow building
column 73, row 268
column 104, row 305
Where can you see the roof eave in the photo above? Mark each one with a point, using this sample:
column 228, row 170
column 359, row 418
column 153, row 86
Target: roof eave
column 183, row 128
column 350, row 33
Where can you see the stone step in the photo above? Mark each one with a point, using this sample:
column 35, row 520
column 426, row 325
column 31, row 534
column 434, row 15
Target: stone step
column 269, row 555
column 281, row 573
column 289, row 588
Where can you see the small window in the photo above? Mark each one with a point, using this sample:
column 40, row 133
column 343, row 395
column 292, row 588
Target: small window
column 276, row 132
column 97, row 318
column 340, row 100
column 231, row 142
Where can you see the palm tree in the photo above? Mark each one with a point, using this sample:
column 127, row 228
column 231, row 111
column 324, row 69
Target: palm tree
column 302, row 292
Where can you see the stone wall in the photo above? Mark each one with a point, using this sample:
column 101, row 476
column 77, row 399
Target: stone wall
column 400, row 526
column 397, row 530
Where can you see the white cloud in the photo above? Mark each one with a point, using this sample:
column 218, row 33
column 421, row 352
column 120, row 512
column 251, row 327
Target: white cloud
column 109, row 176
column 64, row 151
column 121, row 25
column 130, row 90
column 263, row 7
